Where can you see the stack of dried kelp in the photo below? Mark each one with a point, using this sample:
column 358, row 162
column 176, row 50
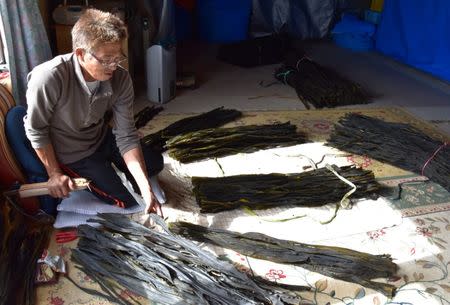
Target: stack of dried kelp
column 219, row 142
column 313, row 188
column 317, row 85
column 341, row 263
column 395, row 143
column 162, row 267
column 145, row 115
column 23, row 238
column 214, row 118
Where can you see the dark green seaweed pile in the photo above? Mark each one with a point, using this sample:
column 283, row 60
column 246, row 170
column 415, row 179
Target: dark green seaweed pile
column 313, row 188
column 211, row 119
column 164, row 268
column 219, row 142
column 23, row 239
column 340, row 263
column 397, row 144
column 318, row 85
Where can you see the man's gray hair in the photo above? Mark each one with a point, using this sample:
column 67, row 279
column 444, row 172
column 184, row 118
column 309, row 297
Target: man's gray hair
column 95, row 27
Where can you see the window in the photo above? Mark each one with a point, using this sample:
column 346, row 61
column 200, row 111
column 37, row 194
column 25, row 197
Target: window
column 2, row 55
column 3, row 49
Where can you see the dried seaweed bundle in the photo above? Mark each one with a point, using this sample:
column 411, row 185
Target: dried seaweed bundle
column 219, row 142
column 162, row 267
column 145, row 115
column 211, row 119
column 23, row 239
column 341, row 263
column 319, row 86
column 313, row 188
column 395, row 143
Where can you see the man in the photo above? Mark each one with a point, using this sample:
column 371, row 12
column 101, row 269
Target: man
column 69, row 98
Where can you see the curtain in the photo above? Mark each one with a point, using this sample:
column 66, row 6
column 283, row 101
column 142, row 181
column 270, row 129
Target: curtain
column 26, row 41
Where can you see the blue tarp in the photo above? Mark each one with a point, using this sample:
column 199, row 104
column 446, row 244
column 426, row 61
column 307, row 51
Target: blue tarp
column 417, row 32
column 303, row 19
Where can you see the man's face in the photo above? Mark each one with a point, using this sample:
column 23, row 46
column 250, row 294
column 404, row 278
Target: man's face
column 101, row 63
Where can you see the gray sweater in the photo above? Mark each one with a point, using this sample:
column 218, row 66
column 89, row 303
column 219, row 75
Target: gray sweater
column 62, row 110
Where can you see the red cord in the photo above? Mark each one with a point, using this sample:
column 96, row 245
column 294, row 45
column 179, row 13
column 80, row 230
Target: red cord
column 432, row 156
column 93, row 188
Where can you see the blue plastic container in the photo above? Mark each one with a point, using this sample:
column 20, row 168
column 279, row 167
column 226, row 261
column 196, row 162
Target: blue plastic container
column 372, row 16
column 353, row 33
column 223, row 21
column 354, row 41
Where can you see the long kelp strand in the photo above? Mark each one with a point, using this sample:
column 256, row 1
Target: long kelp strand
column 395, row 143
column 341, row 263
column 219, row 142
column 313, row 188
column 211, row 119
column 145, row 115
column 162, row 267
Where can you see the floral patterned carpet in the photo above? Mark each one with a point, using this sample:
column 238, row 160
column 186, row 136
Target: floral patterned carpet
column 416, row 234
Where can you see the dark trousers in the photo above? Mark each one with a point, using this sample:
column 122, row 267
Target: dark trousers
column 106, row 183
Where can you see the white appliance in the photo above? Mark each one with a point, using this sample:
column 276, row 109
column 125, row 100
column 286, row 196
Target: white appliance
column 161, row 73
column 160, row 57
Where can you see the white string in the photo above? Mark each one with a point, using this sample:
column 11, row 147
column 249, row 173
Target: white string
column 345, row 202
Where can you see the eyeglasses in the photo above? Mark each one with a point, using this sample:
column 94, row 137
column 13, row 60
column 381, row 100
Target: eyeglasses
column 109, row 63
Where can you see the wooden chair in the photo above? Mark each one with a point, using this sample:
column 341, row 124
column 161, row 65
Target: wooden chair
column 11, row 173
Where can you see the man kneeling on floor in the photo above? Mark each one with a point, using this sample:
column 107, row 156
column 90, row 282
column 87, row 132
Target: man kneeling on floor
column 69, row 101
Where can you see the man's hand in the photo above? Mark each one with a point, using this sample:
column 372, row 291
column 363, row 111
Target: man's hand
column 60, row 185
column 152, row 205
column 136, row 164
